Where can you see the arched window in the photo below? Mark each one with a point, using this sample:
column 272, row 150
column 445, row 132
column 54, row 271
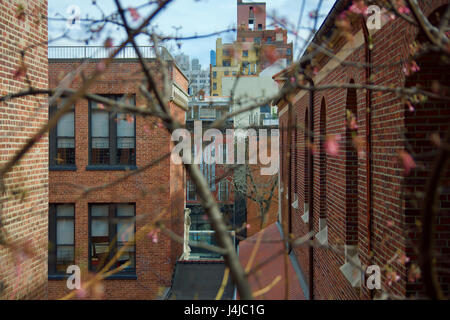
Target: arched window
column 306, row 194
column 351, row 170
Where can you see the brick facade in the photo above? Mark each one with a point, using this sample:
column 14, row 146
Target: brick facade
column 341, row 184
column 153, row 191
column 23, row 205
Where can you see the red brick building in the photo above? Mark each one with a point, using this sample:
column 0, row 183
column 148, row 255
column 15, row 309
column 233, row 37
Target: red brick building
column 94, row 146
column 364, row 202
column 24, row 202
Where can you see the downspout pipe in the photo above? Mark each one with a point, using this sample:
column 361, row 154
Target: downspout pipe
column 368, row 58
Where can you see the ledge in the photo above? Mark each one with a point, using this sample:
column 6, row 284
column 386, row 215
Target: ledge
column 110, row 168
column 58, row 276
column 122, row 277
column 62, row 168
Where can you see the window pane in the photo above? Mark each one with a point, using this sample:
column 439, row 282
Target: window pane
column 125, row 231
column 100, row 123
column 99, row 228
column 125, row 210
column 64, row 257
column 101, row 210
column 64, row 231
column 65, row 126
column 125, row 125
column 127, row 255
column 65, row 210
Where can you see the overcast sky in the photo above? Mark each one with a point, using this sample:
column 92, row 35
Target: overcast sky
column 190, row 16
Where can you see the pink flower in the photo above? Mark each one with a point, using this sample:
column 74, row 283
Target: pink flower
column 404, row 10
column 403, row 259
column 130, row 118
column 147, row 128
column 331, row 144
column 410, row 106
column 407, row 161
column 134, row 14
column 154, row 235
column 101, row 106
column 248, row 226
column 358, row 7
column 81, row 293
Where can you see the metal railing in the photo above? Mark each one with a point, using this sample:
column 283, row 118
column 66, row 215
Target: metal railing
column 100, row 52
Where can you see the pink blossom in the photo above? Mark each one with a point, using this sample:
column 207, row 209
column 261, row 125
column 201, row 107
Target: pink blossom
column 407, row 161
column 134, row 14
column 101, row 106
column 331, row 144
column 248, row 226
column 130, row 118
column 81, row 293
column 404, row 10
column 404, row 259
column 154, row 235
column 358, row 7
column 147, row 128
column 410, row 106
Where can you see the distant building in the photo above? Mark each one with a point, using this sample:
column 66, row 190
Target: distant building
column 212, row 57
column 255, row 49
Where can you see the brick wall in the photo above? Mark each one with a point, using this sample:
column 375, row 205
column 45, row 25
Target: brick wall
column 24, row 221
column 155, row 190
column 341, row 189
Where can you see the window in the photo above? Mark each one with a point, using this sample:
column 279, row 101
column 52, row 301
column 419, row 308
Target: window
column 245, row 53
column 259, row 26
column 214, row 86
column 269, row 39
column 112, row 136
column 223, row 191
column 112, row 227
column 288, row 51
column 62, row 139
column 226, row 63
column 257, row 40
column 61, row 238
column 227, row 73
column 214, row 74
column 191, row 192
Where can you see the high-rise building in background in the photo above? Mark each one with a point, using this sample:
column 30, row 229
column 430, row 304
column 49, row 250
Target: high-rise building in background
column 198, row 78
column 255, row 49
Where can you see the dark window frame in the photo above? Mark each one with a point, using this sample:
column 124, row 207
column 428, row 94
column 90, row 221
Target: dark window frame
column 112, row 233
column 53, row 142
column 52, row 239
column 113, row 150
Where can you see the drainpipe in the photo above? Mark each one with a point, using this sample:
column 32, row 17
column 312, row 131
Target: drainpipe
column 289, row 189
column 368, row 55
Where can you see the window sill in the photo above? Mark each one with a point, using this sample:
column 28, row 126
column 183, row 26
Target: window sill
column 122, row 277
column 58, row 276
column 62, row 168
column 110, row 168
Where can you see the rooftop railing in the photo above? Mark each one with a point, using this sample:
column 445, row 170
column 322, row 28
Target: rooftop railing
column 100, row 52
